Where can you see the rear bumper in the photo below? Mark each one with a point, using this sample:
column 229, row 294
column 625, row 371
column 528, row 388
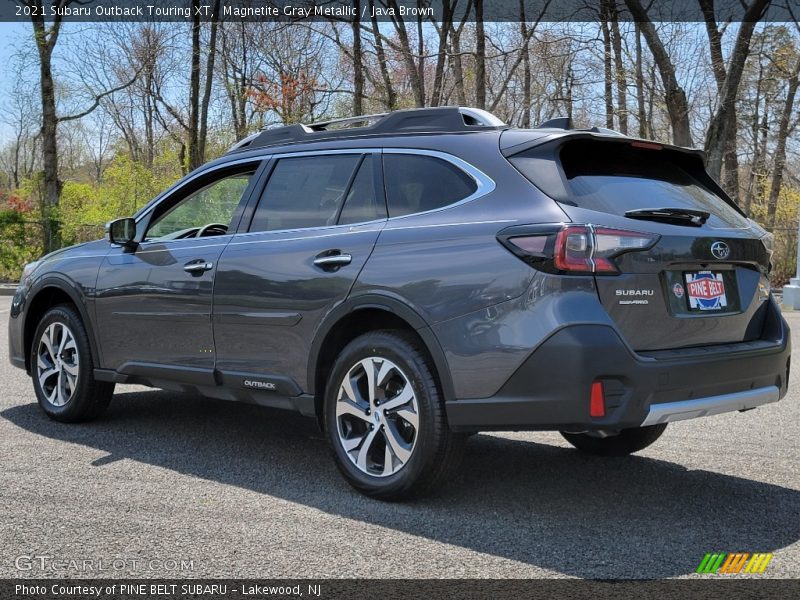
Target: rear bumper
column 551, row 389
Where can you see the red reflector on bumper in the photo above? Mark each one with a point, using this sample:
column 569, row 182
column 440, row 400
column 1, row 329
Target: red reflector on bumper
column 597, row 400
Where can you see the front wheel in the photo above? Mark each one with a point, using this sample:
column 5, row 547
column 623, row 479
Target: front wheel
column 625, row 442
column 385, row 418
column 63, row 368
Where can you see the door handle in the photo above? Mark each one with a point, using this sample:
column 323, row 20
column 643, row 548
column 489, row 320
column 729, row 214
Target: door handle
column 332, row 261
column 197, row 267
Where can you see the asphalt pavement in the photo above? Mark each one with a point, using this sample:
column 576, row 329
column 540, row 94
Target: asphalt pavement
column 172, row 485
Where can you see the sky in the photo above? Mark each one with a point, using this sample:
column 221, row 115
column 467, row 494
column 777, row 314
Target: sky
column 10, row 36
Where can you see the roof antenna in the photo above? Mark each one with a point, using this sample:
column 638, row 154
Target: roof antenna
column 559, row 123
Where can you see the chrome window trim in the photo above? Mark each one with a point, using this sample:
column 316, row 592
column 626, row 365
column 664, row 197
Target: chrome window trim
column 484, row 184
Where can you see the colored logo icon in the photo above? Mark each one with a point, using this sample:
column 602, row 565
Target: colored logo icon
column 729, row 563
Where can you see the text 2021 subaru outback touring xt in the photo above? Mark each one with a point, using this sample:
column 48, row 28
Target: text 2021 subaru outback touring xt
column 413, row 277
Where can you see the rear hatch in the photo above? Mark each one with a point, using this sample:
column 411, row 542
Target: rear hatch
column 702, row 281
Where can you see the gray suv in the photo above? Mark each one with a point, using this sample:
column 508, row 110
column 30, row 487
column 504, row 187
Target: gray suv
column 410, row 278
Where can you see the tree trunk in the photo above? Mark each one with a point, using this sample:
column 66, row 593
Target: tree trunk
column 441, row 53
column 480, row 56
column 641, row 114
column 391, row 96
column 212, row 52
column 51, row 184
column 417, row 85
column 752, row 181
column 458, row 66
column 780, row 148
column 194, row 94
column 675, row 97
column 622, row 83
column 358, row 66
column 730, row 181
column 526, row 67
column 721, row 123
column 607, row 83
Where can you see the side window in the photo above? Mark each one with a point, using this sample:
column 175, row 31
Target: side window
column 361, row 204
column 208, row 210
column 416, row 183
column 304, row 192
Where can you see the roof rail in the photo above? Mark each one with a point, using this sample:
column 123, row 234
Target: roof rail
column 445, row 119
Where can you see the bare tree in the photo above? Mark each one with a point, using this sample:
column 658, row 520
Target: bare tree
column 722, row 124
column 675, row 96
column 45, row 38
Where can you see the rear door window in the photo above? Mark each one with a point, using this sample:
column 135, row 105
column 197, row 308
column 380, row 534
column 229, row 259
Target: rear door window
column 418, row 183
column 362, row 204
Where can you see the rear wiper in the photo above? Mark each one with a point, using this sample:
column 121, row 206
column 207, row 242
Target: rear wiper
column 675, row 216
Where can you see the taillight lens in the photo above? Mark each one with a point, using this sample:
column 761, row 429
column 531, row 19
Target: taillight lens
column 583, row 248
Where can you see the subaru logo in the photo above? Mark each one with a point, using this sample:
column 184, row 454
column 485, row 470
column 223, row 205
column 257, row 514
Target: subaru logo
column 720, row 250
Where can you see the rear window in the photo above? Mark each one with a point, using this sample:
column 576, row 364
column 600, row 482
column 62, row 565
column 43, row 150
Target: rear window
column 615, row 178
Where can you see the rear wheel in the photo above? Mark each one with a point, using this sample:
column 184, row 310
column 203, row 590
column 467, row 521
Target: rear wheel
column 625, row 442
column 62, row 367
column 385, row 418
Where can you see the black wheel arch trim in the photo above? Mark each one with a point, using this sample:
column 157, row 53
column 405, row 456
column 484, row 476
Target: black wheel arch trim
column 66, row 285
column 392, row 305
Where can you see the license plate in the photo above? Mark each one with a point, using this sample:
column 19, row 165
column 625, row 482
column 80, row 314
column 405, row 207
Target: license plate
column 705, row 290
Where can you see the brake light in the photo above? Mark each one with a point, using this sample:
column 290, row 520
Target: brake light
column 588, row 249
column 578, row 249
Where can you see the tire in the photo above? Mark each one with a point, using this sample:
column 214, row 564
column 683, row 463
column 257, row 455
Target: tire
column 407, row 451
column 626, row 442
column 69, row 393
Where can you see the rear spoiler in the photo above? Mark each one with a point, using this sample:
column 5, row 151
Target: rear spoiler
column 542, row 147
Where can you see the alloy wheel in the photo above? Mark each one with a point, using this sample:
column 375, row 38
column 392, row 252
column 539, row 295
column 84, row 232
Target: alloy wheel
column 377, row 416
column 57, row 364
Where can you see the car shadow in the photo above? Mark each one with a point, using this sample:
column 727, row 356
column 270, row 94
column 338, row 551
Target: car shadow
column 541, row 505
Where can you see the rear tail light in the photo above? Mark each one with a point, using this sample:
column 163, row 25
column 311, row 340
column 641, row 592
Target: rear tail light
column 578, row 248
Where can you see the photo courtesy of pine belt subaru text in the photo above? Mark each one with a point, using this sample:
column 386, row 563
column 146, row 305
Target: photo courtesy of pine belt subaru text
column 411, row 278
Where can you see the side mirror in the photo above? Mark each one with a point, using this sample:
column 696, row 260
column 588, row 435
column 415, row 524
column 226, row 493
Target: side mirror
column 122, row 232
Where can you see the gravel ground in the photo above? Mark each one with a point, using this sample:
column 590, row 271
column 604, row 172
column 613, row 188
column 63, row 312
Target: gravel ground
column 243, row 491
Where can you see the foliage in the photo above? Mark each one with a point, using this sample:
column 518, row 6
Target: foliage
column 19, row 243
column 784, row 258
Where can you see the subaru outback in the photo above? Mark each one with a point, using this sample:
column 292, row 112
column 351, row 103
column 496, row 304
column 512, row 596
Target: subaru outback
column 411, row 278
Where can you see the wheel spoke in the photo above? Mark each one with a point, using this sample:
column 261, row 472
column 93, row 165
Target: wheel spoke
column 363, row 452
column 405, row 396
column 47, row 374
column 71, row 369
column 409, row 417
column 401, row 449
column 383, row 373
column 47, row 340
column 345, row 407
column 369, row 370
column 347, row 388
column 43, row 363
column 60, row 388
column 65, row 337
column 69, row 344
column 71, row 381
column 350, row 444
column 388, row 461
